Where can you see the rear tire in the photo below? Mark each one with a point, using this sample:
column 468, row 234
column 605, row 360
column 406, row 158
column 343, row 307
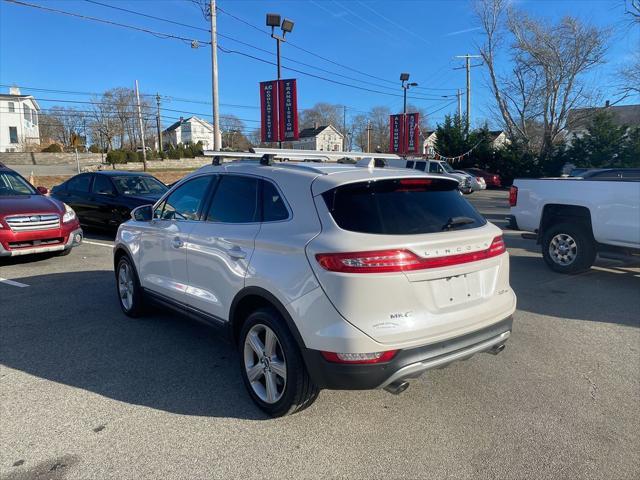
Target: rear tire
column 568, row 248
column 279, row 384
column 130, row 295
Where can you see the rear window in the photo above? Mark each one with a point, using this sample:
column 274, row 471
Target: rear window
column 406, row 206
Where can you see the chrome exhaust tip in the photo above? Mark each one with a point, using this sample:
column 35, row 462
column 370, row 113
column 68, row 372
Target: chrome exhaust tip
column 397, row 387
column 497, row 349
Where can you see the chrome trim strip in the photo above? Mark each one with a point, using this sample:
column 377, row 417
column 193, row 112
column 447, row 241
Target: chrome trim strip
column 442, row 360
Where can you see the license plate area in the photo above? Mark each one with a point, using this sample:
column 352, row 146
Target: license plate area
column 456, row 290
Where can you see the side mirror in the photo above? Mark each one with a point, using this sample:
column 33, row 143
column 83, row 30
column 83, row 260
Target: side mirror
column 42, row 190
column 144, row 213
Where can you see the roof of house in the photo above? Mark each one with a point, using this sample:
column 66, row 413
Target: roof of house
column 621, row 115
column 175, row 125
column 315, row 131
column 10, row 96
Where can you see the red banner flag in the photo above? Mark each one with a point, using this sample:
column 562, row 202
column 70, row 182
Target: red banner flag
column 396, row 130
column 412, row 132
column 288, row 113
column 269, row 124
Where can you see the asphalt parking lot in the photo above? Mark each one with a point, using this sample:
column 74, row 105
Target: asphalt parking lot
column 86, row 392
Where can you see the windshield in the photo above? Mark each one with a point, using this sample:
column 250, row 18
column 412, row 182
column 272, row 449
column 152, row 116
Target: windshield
column 406, row 206
column 12, row 184
column 447, row 167
column 139, row 185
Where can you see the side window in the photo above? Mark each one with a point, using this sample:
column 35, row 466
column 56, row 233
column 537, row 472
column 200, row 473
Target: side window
column 273, row 207
column 434, row 167
column 422, row 166
column 79, row 184
column 185, row 202
column 410, row 164
column 235, row 200
column 102, row 185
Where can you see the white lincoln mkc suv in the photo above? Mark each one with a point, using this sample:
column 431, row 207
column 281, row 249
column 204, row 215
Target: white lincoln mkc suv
column 323, row 276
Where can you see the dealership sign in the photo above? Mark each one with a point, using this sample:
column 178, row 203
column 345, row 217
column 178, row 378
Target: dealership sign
column 279, row 110
column 404, row 133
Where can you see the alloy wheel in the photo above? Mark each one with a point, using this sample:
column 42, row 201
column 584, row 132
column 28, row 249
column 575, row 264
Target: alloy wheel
column 563, row 249
column 125, row 285
column 265, row 363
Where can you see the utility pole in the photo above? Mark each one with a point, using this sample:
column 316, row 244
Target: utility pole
column 459, row 95
column 217, row 137
column 344, row 126
column 368, row 136
column 468, row 66
column 158, row 123
column 144, row 148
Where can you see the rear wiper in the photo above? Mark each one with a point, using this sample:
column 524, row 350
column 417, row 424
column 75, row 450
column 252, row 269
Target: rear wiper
column 454, row 222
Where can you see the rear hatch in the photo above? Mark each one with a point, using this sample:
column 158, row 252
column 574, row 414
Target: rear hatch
column 408, row 260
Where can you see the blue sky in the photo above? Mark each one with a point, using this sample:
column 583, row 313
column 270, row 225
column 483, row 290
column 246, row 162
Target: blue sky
column 378, row 38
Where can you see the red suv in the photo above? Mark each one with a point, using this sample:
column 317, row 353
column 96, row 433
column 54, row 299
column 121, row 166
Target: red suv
column 31, row 222
column 491, row 179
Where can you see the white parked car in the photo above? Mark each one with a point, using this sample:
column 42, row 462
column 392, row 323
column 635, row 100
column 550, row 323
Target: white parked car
column 574, row 219
column 324, row 276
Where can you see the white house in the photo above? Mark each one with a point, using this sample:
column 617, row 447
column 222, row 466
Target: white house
column 579, row 119
column 189, row 131
column 325, row 138
column 498, row 139
column 18, row 121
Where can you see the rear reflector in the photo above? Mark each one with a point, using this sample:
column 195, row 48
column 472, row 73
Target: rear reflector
column 376, row 357
column 513, row 196
column 384, row 261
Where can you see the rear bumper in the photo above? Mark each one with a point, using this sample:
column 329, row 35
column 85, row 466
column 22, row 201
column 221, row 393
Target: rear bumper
column 408, row 363
column 73, row 239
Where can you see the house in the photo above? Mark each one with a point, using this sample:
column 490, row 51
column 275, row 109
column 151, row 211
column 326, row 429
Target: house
column 579, row 119
column 189, row 131
column 19, row 130
column 324, row 137
column 498, row 138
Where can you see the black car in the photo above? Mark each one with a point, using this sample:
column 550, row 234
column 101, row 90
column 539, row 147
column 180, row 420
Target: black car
column 105, row 199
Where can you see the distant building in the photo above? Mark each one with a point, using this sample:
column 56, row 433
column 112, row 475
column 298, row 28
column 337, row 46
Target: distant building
column 189, row 131
column 579, row 119
column 498, row 138
column 19, row 130
column 324, row 137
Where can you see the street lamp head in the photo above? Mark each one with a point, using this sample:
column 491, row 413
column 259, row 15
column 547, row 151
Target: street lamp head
column 404, row 77
column 273, row 20
column 287, row 25
column 413, row 84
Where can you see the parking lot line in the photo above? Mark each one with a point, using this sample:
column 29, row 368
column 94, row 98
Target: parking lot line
column 98, row 243
column 13, row 283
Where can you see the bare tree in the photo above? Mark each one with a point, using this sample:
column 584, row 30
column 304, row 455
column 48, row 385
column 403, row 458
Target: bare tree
column 548, row 61
column 69, row 121
column 322, row 114
column 232, row 136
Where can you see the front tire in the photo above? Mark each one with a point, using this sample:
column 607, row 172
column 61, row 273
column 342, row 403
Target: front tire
column 568, row 248
column 272, row 368
column 130, row 294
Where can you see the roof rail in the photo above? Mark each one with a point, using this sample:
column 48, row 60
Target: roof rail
column 267, row 159
column 371, row 162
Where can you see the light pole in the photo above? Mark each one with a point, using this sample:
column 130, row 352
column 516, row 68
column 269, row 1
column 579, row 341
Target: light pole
column 273, row 21
column 404, row 78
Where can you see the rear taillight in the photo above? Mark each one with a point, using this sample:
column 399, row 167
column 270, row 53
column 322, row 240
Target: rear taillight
column 513, row 196
column 385, row 261
column 375, row 357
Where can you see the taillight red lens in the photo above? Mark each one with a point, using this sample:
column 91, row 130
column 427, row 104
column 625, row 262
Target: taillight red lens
column 376, row 357
column 513, row 196
column 385, row 261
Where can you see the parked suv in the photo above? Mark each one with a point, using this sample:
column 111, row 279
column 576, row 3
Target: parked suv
column 337, row 277
column 31, row 222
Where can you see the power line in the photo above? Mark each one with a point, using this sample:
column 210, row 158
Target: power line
column 108, row 22
column 148, row 16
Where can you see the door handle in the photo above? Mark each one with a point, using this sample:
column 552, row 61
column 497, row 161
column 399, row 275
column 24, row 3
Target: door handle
column 177, row 243
column 236, row 252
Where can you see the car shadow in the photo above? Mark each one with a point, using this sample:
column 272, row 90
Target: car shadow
column 607, row 293
column 68, row 328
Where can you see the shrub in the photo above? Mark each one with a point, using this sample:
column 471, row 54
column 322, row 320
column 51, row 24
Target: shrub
column 132, row 156
column 116, row 156
column 53, row 148
column 174, row 154
column 94, row 148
